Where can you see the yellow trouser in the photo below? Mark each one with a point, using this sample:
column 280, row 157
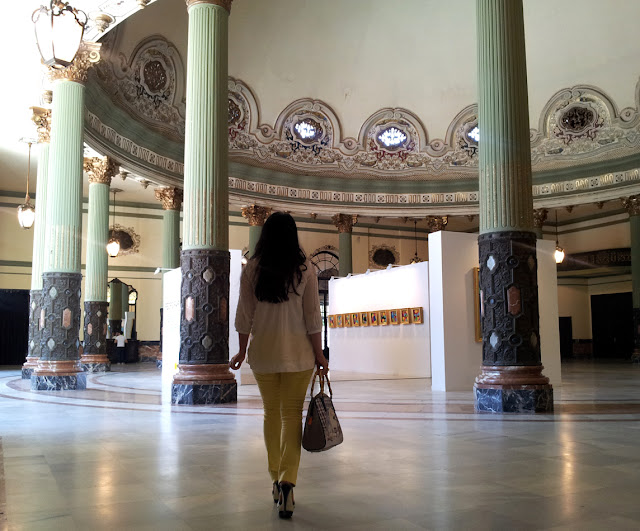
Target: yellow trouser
column 283, row 398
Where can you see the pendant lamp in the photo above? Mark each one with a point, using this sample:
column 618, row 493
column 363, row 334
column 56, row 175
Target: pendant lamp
column 26, row 211
column 416, row 259
column 559, row 252
column 59, row 30
column 113, row 247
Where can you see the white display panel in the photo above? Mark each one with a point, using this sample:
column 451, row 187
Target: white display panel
column 394, row 350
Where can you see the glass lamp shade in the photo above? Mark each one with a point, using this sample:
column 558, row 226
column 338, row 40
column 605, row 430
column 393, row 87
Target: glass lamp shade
column 26, row 214
column 416, row 259
column 113, row 247
column 59, row 29
column 559, row 254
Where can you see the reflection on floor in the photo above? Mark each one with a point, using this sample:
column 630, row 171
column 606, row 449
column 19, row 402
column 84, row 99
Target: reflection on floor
column 116, row 457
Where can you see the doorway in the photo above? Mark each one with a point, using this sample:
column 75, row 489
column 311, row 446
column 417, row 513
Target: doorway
column 14, row 326
column 612, row 326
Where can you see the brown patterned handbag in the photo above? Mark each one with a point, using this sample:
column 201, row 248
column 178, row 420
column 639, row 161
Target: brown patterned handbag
column 321, row 427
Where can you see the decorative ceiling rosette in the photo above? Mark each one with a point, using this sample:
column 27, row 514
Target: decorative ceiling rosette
column 149, row 85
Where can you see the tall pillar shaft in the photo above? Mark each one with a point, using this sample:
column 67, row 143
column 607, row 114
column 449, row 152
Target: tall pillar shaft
column 345, row 223
column 511, row 378
column 256, row 216
column 94, row 356
column 59, row 363
column 42, row 118
column 632, row 204
column 203, row 374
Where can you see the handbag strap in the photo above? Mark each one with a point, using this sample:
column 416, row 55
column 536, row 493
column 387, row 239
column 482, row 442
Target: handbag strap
column 322, row 379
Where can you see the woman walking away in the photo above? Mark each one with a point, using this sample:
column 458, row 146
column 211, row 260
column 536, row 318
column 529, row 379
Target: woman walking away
column 279, row 306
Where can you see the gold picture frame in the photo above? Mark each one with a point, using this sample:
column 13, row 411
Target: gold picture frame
column 477, row 305
column 417, row 315
column 374, row 318
column 384, row 317
column 347, row 320
column 394, row 317
column 364, row 318
column 355, row 319
column 339, row 321
column 332, row 321
column 405, row 316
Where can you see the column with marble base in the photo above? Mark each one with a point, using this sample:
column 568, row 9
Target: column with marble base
column 256, row 216
column 203, row 372
column 632, row 205
column 511, row 379
column 59, row 363
column 345, row 223
column 42, row 118
column 171, row 199
column 94, row 356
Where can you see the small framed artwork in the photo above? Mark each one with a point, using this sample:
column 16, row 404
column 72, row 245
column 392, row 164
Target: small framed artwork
column 384, row 317
column 416, row 315
column 355, row 319
column 364, row 318
column 347, row 320
column 393, row 317
column 332, row 321
column 404, row 316
column 339, row 321
column 374, row 318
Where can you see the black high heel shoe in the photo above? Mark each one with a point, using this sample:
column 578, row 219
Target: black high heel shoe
column 286, row 504
column 276, row 492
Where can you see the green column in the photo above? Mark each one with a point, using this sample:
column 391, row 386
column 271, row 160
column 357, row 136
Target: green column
column 203, row 373
column 94, row 356
column 256, row 216
column 511, row 378
column 42, row 119
column 59, row 364
column 171, row 199
column 345, row 223
column 632, row 205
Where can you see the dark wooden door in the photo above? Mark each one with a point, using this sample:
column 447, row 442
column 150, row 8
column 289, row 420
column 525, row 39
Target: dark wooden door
column 566, row 338
column 14, row 326
column 612, row 326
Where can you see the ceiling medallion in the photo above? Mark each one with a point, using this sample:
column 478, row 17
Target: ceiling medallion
column 307, row 130
column 392, row 137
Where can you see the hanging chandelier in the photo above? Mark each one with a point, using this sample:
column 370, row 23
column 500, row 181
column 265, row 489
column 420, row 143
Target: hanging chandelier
column 59, row 30
column 559, row 252
column 416, row 259
column 113, row 247
column 26, row 211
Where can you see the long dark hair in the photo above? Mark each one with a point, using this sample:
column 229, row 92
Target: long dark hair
column 280, row 260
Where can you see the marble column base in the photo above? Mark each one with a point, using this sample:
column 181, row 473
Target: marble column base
column 95, row 367
column 66, row 382
column 536, row 400
column 513, row 389
column 29, row 365
column 27, row 372
column 201, row 394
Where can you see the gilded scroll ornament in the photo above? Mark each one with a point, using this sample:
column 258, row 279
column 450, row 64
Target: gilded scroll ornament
column 256, row 215
column 632, row 205
column 344, row 222
column 170, row 197
column 437, row 223
column 539, row 217
column 88, row 55
column 42, row 118
column 100, row 169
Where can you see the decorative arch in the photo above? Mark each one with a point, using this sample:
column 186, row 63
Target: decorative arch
column 460, row 138
column 243, row 116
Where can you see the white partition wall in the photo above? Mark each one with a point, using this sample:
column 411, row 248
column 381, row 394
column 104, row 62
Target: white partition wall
column 393, row 350
column 455, row 355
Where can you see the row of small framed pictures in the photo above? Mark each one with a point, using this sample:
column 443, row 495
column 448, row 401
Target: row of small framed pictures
column 379, row 317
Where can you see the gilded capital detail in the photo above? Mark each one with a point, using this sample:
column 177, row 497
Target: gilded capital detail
column 100, row 169
column 437, row 223
column 256, row 215
column 222, row 3
column 170, row 197
column 344, row 222
column 42, row 118
column 87, row 56
column 539, row 217
column 632, row 205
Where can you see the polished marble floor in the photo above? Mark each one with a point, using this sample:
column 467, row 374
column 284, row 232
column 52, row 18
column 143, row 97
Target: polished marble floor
column 117, row 456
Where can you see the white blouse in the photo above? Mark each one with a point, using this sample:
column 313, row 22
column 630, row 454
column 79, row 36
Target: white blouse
column 280, row 331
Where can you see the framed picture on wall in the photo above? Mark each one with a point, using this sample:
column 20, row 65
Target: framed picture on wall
column 355, row 319
column 384, row 317
column 404, row 316
column 332, row 321
column 393, row 317
column 347, row 320
column 339, row 320
column 416, row 315
column 374, row 318
column 364, row 318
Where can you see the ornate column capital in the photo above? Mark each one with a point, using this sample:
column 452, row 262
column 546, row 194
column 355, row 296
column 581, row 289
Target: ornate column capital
column 345, row 222
column 632, row 204
column 436, row 223
column 87, row 56
column 100, row 169
column 539, row 217
column 42, row 118
column 170, row 197
column 256, row 215
column 222, row 3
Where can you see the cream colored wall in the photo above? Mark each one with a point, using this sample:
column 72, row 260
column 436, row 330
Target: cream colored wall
column 608, row 233
column 575, row 302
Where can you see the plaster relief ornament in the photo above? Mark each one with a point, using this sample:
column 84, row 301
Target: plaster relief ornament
column 239, row 118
